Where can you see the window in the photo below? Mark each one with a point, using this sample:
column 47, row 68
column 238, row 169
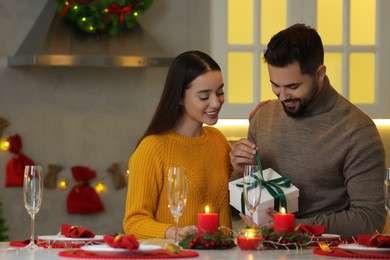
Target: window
column 357, row 52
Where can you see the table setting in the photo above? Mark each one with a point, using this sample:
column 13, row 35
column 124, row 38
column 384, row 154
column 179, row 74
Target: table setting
column 210, row 241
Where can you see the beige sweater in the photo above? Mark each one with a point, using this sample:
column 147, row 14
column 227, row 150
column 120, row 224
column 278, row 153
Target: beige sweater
column 334, row 155
column 206, row 159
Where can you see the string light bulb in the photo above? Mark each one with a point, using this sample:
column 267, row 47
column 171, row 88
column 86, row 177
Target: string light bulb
column 62, row 184
column 100, row 187
column 4, row 145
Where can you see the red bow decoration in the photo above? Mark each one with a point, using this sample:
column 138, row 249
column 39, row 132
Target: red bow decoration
column 76, row 231
column 68, row 4
column 122, row 241
column 15, row 166
column 115, row 9
column 83, row 199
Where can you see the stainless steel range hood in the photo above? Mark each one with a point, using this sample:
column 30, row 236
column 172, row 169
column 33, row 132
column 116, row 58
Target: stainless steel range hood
column 58, row 43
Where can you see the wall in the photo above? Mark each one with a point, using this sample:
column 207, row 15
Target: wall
column 83, row 116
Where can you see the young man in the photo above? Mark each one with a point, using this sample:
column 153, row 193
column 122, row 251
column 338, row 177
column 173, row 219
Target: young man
column 329, row 148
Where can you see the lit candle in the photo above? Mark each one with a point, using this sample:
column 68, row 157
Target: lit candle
column 283, row 222
column 207, row 222
column 249, row 239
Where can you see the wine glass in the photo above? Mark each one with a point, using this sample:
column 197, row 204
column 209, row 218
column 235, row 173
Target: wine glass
column 32, row 193
column 177, row 193
column 252, row 188
column 386, row 187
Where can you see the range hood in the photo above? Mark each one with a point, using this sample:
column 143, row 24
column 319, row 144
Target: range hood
column 54, row 42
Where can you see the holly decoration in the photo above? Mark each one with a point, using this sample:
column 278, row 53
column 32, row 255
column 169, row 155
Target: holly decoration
column 111, row 16
column 217, row 240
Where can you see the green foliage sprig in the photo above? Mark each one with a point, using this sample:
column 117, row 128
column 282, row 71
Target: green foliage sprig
column 110, row 16
column 217, row 240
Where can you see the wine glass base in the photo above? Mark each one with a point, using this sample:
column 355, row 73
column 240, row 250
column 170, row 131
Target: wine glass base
column 31, row 245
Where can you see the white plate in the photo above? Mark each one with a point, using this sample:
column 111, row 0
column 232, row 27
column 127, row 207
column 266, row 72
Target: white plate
column 361, row 249
column 108, row 250
column 62, row 238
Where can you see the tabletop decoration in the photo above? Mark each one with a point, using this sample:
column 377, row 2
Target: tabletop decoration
column 337, row 252
column 216, row 240
column 263, row 238
column 122, row 241
column 83, row 199
column 76, row 231
column 283, row 222
column 15, row 166
column 107, row 16
column 312, row 230
column 207, row 222
column 374, row 240
column 250, row 239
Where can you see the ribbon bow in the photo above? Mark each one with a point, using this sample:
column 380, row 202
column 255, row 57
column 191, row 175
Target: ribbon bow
column 274, row 187
column 115, row 9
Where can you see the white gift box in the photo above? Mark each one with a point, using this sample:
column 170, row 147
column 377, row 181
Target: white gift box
column 266, row 201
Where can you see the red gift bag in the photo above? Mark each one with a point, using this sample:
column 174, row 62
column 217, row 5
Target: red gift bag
column 83, row 199
column 15, row 166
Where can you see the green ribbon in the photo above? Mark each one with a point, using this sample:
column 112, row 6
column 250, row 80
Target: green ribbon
column 274, row 187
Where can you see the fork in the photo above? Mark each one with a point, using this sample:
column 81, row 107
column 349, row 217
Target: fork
column 325, row 248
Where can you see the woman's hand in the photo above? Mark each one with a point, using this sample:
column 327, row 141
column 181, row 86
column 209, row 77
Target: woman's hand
column 181, row 232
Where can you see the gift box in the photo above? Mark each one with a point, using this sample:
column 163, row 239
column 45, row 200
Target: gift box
column 267, row 200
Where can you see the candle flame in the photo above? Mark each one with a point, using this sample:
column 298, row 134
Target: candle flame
column 282, row 210
column 207, row 209
column 249, row 233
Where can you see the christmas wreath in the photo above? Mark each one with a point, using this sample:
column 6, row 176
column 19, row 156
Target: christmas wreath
column 110, row 16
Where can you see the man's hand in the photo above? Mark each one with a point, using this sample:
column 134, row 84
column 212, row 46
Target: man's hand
column 248, row 221
column 243, row 152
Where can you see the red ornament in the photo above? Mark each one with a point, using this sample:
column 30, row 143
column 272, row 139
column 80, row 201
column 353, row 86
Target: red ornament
column 83, row 199
column 15, row 166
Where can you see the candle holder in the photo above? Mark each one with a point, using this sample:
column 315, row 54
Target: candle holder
column 250, row 239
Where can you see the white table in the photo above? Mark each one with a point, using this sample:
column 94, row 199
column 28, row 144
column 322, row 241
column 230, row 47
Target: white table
column 7, row 252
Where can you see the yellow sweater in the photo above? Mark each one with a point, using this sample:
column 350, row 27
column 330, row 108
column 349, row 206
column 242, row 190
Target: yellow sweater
column 206, row 159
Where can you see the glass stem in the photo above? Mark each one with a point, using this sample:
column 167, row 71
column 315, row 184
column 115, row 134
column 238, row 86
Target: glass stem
column 252, row 223
column 176, row 228
column 32, row 227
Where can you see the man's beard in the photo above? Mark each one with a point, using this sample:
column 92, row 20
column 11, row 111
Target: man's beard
column 302, row 106
column 298, row 111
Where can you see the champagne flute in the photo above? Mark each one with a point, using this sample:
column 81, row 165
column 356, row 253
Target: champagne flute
column 252, row 188
column 177, row 193
column 32, row 193
column 386, row 187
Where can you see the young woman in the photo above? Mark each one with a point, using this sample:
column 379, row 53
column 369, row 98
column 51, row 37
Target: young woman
column 193, row 95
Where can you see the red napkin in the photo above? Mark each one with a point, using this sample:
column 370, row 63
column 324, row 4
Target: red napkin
column 312, row 230
column 374, row 240
column 75, row 231
column 122, row 241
